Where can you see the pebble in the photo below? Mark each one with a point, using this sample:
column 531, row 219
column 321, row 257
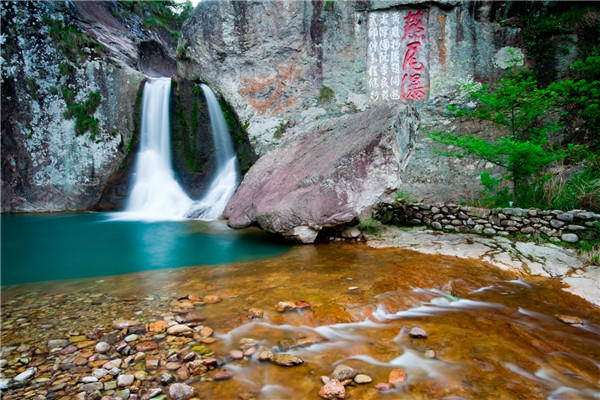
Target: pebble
column 58, row 343
column 333, row 390
column 116, row 363
column 284, row 306
column 286, row 360
column 264, row 355
column 102, row 347
column 206, row 331
column 397, row 377
column 100, row 373
column 124, row 324
column 131, row 338
column 166, row 378
column 212, row 298
column 181, row 391
column 353, row 288
column 569, row 319
column 183, row 373
column 157, row 327
column 25, row 375
column 140, row 375
column 146, row 346
column 223, row 375
column 172, row 366
column 89, row 379
column 382, row 386
column 362, row 379
column 179, row 329
column 236, row 354
column 255, row 313
column 417, row 333
column 152, row 363
column 343, row 372
column 153, row 392
column 430, row 354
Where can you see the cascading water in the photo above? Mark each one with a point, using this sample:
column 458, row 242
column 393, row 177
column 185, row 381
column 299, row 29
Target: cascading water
column 156, row 195
column 226, row 178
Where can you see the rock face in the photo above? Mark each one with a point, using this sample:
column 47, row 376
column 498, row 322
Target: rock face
column 327, row 176
column 272, row 61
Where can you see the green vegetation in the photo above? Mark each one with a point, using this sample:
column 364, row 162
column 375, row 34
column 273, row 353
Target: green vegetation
column 239, row 135
column 370, row 226
column 168, row 15
column 83, row 112
column 328, row 5
column 325, row 95
column 70, row 41
column 280, row 130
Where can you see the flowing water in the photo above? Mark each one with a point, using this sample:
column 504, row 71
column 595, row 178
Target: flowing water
column 490, row 334
column 156, row 194
column 226, row 177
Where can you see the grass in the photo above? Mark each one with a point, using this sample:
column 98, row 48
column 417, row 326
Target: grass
column 70, row 41
column 325, row 95
column 280, row 130
column 83, row 112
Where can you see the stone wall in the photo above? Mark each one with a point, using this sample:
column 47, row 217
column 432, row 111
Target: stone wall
column 555, row 225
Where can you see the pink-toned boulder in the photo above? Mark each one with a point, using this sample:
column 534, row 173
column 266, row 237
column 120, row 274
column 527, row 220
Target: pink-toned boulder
column 333, row 390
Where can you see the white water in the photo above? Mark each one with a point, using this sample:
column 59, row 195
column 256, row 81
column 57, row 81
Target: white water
column 226, row 178
column 156, row 195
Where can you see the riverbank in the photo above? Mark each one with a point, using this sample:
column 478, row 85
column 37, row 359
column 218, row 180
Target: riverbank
column 525, row 258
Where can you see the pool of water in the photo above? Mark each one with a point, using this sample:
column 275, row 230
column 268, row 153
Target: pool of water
column 491, row 334
column 61, row 246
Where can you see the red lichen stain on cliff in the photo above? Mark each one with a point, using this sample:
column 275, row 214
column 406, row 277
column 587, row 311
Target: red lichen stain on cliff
column 442, row 44
column 271, row 93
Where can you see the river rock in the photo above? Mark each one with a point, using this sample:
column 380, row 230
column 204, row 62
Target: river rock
column 333, row 390
column 25, row 375
column 125, row 380
column 325, row 177
column 417, row 333
column 212, row 298
column 362, row 379
column 223, row 375
column 180, row 329
column 102, row 347
column 124, row 323
column 264, row 355
column 286, row 360
column 236, row 354
column 181, row 391
column 569, row 319
column 343, row 372
column 570, row 238
column 284, row 306
column 397, row 377
column 255, row 313
column 166, row 378
column 146, row 346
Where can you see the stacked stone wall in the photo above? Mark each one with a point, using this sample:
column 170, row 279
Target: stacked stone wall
column 567, row 226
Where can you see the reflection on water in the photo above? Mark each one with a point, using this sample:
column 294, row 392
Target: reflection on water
column 490, row 334
column 62, row 246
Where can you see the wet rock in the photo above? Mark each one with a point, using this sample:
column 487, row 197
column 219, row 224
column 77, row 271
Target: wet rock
column 286, row 360
column 152, row 363
column 325, row 380
column 158, row 326
column 151, row 393
column 343, row 372
column 223, row 375
column 116, row 363
column 382, row 386
column 172, row 366
column 264, row 355
column 89, row 379
column 286, row 343
column 362, row 379
column 417, row 333
column 430, row 354
column 301, row 304
column 102, row 347
column 351, row 233
column 181, row 391
column 397, row 377
column 206, row 331
column 236, row 354
column 58, row 343
column 131, row 338
column 569, row 319
column 183, row 373
column 140, row 375
column 125, row 380
column 191, row 317
column 212, row 298
column 100, row 373
column 255, row 313
column 284, row 306
column 333, row 390
column 124, row 324
column 146, row 346
column 70, row 349
column 166, row 378
column 92, row 387
column 179, row 329
column 25, row 375
column 110, row 338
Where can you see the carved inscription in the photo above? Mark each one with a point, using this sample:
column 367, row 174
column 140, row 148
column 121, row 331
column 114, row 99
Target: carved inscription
column 397, row 56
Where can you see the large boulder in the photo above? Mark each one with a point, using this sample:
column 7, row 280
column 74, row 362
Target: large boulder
column 327, row 176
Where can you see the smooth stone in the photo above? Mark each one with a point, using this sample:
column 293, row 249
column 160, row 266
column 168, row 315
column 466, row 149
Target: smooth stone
column 153, row 392
column 255, row 313
column 569, row 319
column 556, row 223
column 567, row 217
column 351, row 233
column 382, row 386
column 157, row 327
column 116, row 363
column 417, row 333
column 102, row 347
column 206, row 331
column 212, row 298
column 140, row 375
column 89, row 379
column 125, row 380
column 123, row 323
column 570, row 238
column 286, row 360
column 430, row 354
column 57, row 343
column 223, row 375
column 343, row 372
column 179, row 329
column 172, row 366
column 25, row 375
column 333, row 390
column 264, row 355
column 325, row 380
column 397, row 376
column 131, row 338
column 146, row 346
column 236, row 354
column 183, row 373
column 284, row 306
column 436, row 225
column 362, row 379
column 100, row 373
column 166, row 378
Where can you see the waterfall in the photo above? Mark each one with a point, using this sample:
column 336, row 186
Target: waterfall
column 226, row 178
column 156, row 195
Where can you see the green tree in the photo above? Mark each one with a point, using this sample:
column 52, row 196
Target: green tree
column 526, row 116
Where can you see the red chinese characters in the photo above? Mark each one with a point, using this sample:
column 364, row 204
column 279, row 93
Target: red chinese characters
column 411, row 87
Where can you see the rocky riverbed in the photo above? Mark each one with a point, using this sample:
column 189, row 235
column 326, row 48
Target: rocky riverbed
column 331, row 320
